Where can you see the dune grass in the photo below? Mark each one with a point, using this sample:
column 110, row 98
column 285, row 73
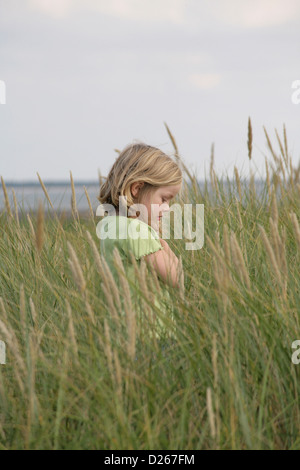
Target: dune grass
column 81, row 375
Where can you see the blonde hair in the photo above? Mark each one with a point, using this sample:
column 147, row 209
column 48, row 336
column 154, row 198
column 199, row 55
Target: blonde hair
column 138, row 162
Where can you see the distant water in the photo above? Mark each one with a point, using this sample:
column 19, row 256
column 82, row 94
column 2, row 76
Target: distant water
column 29, row 194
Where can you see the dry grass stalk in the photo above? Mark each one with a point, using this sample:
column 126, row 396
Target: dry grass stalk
column 73, row 199
column 216, row 186
column 281, row 167
column 31, row 226
column 216, row 271
column 216, row 380
column 221, row 282
column 118, row 375
column 90, row 312
column 32, row 408
column 108, row 349
column 252, row 186
column 220, row 270
column 72, row 335
column 275, row 178
column 238, row 182
column 274, row 207
column 294, row 174
column 226, row 244
column 212, row 162
column 215, row 360
column 279, row 243
column 296, row 228
column 45, row 191
column 181, row 278
column 130, row 314
column 76, row 268
column 283, row 260
column 285, row 144
column 16, row 207
column 271, row 254
column 217, row 236
column 172, row 138
column 7, row 205
column 238, row 260
column 39, row 236
column 210, row 411
column 22, row 309
column 275, row 157
column 76, row 277
column 89, row 203
column 276, row 242
column 250, row 138
column 149, row 297
column 239, row 214
column 3, row 310
column 179, row 161
column 111, row 283
column 100, row 177
column 268, row 178
column 144, row 279
column 215, row 250
column 134, row 264
column 185, row 192
column 281, row 149
column 33, row 311
column 122, row 275
column 95, row 251
column 282, row 188
column 155, row 279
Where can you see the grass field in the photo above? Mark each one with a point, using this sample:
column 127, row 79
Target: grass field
column 79, row 375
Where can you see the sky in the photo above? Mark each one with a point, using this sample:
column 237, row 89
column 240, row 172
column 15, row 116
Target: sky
column 85, row 77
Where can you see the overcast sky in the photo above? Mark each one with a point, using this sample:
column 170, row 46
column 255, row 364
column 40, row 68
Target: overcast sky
column 84, row 77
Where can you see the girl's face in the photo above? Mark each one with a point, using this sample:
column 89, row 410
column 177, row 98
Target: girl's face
column 157, row 204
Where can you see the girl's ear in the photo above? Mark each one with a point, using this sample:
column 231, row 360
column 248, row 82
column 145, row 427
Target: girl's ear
column 135, row 187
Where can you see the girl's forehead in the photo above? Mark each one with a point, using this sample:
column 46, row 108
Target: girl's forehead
column 170, row 190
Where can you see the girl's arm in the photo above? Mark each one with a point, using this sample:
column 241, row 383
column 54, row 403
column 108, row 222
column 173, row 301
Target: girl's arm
column 165, row 263
column 166, row 247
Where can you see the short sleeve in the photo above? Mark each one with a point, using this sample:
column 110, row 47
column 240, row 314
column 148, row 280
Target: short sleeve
column 142, row 239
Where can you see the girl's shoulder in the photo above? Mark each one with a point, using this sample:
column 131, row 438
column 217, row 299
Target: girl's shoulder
column 139, row 229
column 121, row 227
column 129, row 235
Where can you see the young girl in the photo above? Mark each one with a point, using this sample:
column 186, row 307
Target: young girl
column 144, row 175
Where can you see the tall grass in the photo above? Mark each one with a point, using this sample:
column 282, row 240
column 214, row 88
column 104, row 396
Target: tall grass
column 80, row 374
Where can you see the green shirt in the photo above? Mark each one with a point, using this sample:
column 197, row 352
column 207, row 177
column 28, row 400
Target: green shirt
column 135, row 236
